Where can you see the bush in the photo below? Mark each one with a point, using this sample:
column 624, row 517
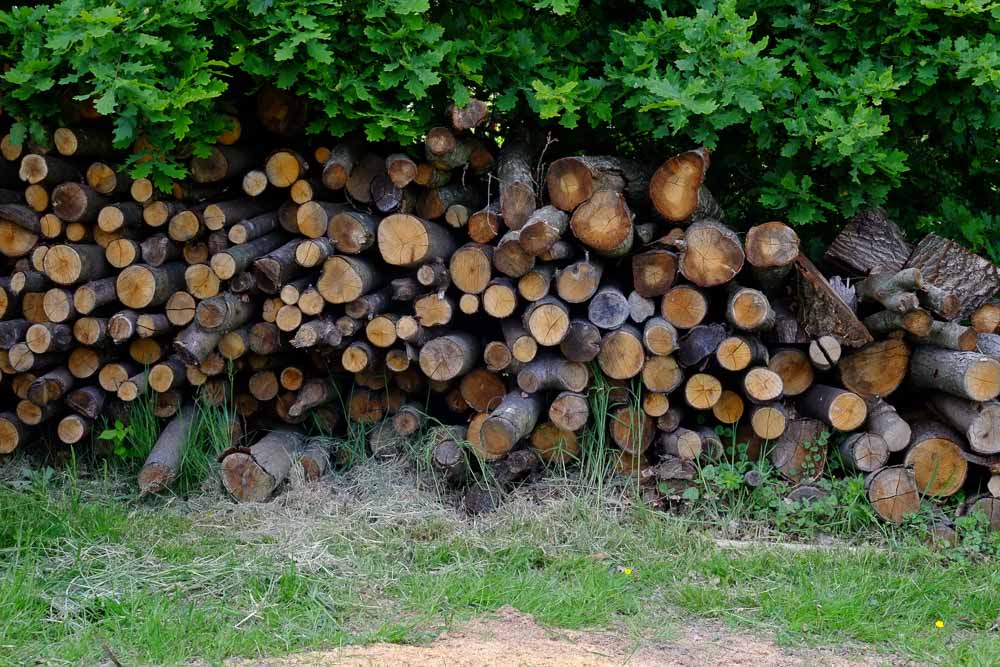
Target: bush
column 813, row 109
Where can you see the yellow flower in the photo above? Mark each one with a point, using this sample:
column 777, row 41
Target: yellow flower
column 627, row 570
column 939, row 623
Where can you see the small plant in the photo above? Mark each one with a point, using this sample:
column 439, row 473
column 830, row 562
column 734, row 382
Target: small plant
column 118, row 435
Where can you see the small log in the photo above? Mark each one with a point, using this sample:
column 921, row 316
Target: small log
column 661, row 374
column 87, row 401
column 885, row 422
column 761, row 385
column 76, row 202
column 552, row 373
column 825, row 352
column 253, row 475
column 654, row 272
column 950, row 335
column 471, row 268
column 712, row 254
column 510, row 258
column 140, row 286
column 69, row 264
column 517, row 185
column 579, row 281
column 986, row 318
column 168, row 374
column 729, row 408
column 542, row 229
column 193, row 344
column 702, row 391
column 448, row 456
column 604, row 224
column 482, row 390
column 47, row 170
column 555, row 445
column 256, row 227
column 51, row 386
column 917, row 322
column 547, row 320
column 737, row 353
column 276, row 268
column 748, row 309
column 682, row 443
column 49, row 337
column 582, row 342
column 631, row 429
column 843, row 410
column 569, row 411
column 699, row 343
column 676, row 188
column 798, row 454
column 573, row 180
column 484, row 225
column 608, row 308
column 622, row 354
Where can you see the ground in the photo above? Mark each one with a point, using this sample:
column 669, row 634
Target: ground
column 510, row 638
column 375, row 559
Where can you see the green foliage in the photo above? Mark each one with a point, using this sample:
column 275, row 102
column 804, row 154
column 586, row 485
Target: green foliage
column 812, row 109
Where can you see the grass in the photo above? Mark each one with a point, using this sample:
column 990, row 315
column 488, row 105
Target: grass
column 84, row 565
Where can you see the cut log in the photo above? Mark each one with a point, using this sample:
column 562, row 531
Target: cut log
column 579, row 281
column 536, row 283
column 163, row 464
column 840, row 409
column 542, row 229
column 893, row 493
column 737, row 353
column 512, row 421
column 681, row 443
column 967, row 375
column 573, row 180
column 551, row 373
column 799, row 454
column 631, row 429
column 986, row 318
column 884, row 421
column 140, row 286
column 950, row 335
column 699, row 344
column 676, row 187
column 194, row 344
column 517, row 185
column 684, row 306
column 793, row 366
column 510, row 258
column 604, row 223
column 895, row 291
column 825, row 352
column 69, row 264
column 547, row 320
column 569, row 411
column 449, row 356
column 555, row 445
column 51, row 386
column 935, row 455
column 978, row 422
column 877, row 369
column 748, row 309
column 49, row 337
column 253, row 475
column 654, row 272
column 622, row 354
column 659, row 336
column 917, row 322
column 406, row 240
column 768, row 421
column 761, row 385
column 702, row 391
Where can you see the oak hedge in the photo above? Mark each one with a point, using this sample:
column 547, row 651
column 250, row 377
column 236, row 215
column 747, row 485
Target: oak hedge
column 812, row 108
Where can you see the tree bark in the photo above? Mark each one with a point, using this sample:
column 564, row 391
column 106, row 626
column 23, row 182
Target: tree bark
column 252, row 475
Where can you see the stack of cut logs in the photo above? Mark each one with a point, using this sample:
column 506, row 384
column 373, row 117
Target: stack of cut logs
column 481, row 288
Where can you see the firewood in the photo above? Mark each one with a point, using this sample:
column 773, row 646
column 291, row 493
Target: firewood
column 676, row 188
column 712, row 254
column 761, row 385
column 604, row 223
column 542, row 229
column 87, row 401
column 877, row 369
column 728, row 409
column 968, row 375
column 517, row 186
column 106, row 180
column 193, row 344
column 536, row 283
column 986, row 318
column 661, row 374
column 555, row 445
column 950, row 335
column 222, row 163
column 47, row 170
column 793, row 367
column 513, row 420
column 821, row 310
column 684, row 306
column 163, row 464
column 978, row 422
column 30, row 413
column 12, row 332
column 893, row 493
column 579, row 281
column 622, row 354
column 547, row 320
column 552, row 373
column 49, row 337
column 437, row 202
column 449, row 356
column 470, row 267
column 510, row 258
column 825, row 352
column 843, row 410
column 702, row 391
column 736, row 353
column 699, row 343
column 917, row 322
column 631, row 429
column 748, row 309
column 132, row 388
column 608, row 308
column 51, row 386
column 935, row 454
column 253, row 475
column 948, row 266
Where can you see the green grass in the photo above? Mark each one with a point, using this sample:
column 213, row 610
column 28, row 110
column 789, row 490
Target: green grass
column 84, row 564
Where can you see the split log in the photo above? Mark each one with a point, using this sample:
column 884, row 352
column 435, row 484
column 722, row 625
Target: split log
column 821, row 310
column 825, row 352
column 870, row 243
column 951, row 268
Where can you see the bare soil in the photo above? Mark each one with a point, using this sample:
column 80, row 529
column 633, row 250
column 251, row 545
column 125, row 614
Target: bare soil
column 510, row 638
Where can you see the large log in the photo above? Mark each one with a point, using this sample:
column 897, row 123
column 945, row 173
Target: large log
column 163, row 464
column 950, row 267
column 968, row 375
column 513, row 420
column 823, row 312
column 870, row 243
column 252, row 475
column 935, row 455
column 676, row 188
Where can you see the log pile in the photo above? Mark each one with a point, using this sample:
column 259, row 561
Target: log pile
column 461, row 284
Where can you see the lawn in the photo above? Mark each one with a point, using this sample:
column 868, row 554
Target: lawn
column 86, row 568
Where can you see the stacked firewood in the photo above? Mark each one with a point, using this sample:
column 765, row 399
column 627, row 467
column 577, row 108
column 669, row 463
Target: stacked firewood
column 478, row 287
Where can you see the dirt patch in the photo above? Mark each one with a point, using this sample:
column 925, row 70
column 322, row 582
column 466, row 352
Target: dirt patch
column 510, row 638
